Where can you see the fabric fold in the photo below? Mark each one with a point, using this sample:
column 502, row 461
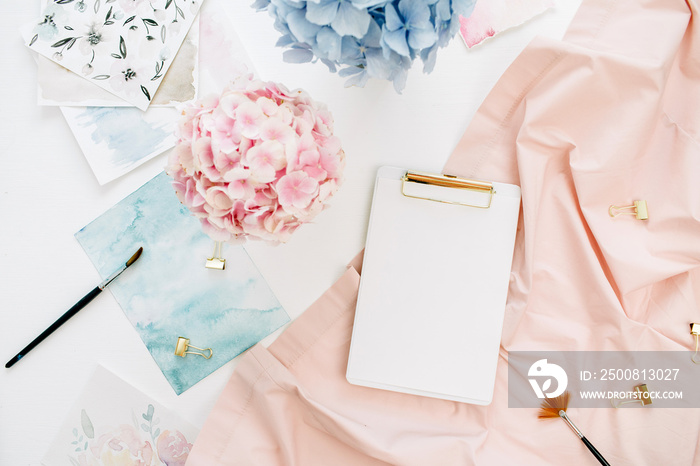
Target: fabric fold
column 604, row 117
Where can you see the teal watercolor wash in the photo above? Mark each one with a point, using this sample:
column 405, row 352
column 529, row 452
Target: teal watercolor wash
column 169, row 293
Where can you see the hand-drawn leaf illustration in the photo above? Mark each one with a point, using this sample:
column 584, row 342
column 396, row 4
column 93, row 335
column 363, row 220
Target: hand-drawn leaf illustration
column 85, row 447
column 71, row 43
column 101, row 77
column 118, row 57
column 62, row 2
column 74, row 442
column 168, row 3
column 62, row 42
column 87, row 424
column 145, row 92
column 156, row 433
column 151, row 409
column 36, row 36
column 108, row 23
column 179, row 11
column 149, row 22
column 75, row 431
column 122, row 46
column 129, row 19
column 145, row 427
column 162, row 33
column 97, row 6
column 109, row 13
column 150, row 38
column 68, row 27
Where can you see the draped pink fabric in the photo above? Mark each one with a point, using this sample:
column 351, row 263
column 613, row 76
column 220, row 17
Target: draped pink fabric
column 609, row 115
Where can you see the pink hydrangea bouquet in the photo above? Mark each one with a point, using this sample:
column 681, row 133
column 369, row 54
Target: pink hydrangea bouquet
column 257, row 161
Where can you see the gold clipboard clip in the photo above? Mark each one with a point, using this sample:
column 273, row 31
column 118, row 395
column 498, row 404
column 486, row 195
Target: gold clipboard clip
column 448, row 181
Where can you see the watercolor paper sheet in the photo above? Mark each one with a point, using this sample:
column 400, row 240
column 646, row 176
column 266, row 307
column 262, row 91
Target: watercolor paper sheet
column 115, row 140
column 58, row 86
column 491, row 17
column 169, row 293
column 123, row 46
column 114, row 423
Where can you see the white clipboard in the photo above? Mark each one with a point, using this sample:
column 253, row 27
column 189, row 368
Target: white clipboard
column 434, row 285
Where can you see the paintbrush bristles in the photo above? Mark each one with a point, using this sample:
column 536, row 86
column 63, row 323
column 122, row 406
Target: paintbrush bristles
column 133, row 258
column 551, row 406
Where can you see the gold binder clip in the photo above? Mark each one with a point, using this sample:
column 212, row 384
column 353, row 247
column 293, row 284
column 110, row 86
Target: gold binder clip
column 217, row 262
column 448, row 181
column 638, row 209
column 183, row 345
column 695, row 330
column 641, row 395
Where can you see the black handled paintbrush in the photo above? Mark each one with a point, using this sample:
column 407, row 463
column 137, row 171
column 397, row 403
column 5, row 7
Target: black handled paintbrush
column 73, row 310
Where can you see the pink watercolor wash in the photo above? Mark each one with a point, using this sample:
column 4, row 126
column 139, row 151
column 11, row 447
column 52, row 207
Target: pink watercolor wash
column 491, row 17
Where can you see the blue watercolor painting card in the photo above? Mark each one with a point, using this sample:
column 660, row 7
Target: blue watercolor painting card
column 115, row 140
column 168, row 293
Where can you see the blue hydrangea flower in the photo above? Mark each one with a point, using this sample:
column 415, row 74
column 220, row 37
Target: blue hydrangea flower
column 363, row 39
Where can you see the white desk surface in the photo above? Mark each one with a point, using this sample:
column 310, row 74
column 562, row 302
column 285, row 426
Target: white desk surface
column 48, row 192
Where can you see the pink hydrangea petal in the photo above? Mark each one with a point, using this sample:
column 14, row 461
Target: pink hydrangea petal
column 274, row 129
column 256, row 162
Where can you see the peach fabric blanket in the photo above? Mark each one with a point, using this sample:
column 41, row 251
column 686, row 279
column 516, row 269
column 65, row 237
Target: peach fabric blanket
column 606, row 116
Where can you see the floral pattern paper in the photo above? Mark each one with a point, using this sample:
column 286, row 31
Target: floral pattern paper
column 114, row 423
column 123, row 46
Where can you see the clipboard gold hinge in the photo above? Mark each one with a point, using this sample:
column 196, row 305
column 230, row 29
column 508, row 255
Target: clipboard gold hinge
column 448, row 181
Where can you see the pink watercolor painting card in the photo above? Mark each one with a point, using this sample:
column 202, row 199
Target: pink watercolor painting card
column 491, row 17
column 114, row 423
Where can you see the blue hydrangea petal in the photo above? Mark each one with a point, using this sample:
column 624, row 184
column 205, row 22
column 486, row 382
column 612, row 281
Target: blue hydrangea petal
column 443, row 12
column 297, row 56
column 349, row 71
column 397, row 41
column 322, row 13
column 350, row 49
column 380, row 67
column 463, row 7
column 329, row 43
column 284, row 41
column 429, row 57
column 393, row 20
column 373, row 36
column 260, row 4
column 419, row 39
column 351, row 21
column 369, row 3
column 357, row 80
column 302, row 29
column 416, row 13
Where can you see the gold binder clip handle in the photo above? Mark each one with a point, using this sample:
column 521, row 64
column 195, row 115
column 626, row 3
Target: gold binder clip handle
column 183, row 345
column 695, row 330
column 641, row 396
column 216, row 261
column 638, row 209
